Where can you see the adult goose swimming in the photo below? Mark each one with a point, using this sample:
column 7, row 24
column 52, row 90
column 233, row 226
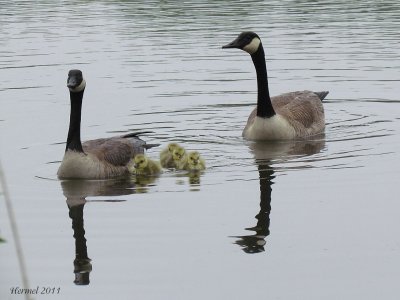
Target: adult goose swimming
column 288, row 116
column 94, row 159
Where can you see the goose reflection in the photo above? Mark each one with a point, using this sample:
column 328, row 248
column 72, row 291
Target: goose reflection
column 267, row 154
column 76, row 192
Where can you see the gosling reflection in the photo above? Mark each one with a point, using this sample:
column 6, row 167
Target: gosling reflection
column 143, row 183
column 193, row 179
column 76, row 192
column 255, row 243
column 266, row 155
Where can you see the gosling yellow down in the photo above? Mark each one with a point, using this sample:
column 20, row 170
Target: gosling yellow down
column 146, row 166
column 166, row 158
column 194, row 162
column 179, row 156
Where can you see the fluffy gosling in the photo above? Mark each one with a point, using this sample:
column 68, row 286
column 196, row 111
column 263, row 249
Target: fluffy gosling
column 146, row 166
column 166, row 158
column 194, row 162
column 179, row 156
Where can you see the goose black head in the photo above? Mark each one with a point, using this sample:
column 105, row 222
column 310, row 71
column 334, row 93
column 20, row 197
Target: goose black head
column 247, row 41
column 75, row 81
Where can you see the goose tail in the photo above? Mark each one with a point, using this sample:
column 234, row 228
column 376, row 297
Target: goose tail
column 135, row 134
column 322, row 95
column 137, row 141
column 148, row 146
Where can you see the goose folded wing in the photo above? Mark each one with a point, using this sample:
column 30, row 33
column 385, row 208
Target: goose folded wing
column 116, row 151
column 303, row 110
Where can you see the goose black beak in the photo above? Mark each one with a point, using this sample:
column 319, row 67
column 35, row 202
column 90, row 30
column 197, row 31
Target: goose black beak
column 233, row 44
column 72, row 83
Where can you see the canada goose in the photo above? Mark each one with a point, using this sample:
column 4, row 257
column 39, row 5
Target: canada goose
column 194, row 162
column 287, row 116
column 166, row 159
column 94, row 159
column 179, row 156
column 146, row 166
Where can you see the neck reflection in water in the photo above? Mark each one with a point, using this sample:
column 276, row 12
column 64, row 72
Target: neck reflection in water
column 76, row 192
column 82, row 263
column 255, row 243
column 267, row 154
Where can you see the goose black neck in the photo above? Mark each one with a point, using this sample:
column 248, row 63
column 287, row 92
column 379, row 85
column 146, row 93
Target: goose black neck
column 74, row 132
column 264, row 105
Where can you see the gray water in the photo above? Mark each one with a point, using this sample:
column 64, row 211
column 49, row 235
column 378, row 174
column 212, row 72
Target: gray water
column 329, row 229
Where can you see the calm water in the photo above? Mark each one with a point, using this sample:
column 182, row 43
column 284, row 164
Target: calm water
column 302, row 220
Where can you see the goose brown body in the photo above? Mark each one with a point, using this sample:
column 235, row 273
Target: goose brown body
column 298, row 115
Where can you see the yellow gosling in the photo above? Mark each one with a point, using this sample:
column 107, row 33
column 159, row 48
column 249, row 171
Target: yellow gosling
column 166, row 158
column 179, row 156
column 146, row 166
column 194, row 162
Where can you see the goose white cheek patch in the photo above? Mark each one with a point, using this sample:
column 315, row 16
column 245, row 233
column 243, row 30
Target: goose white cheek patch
column 252, row 47
column 79, row 87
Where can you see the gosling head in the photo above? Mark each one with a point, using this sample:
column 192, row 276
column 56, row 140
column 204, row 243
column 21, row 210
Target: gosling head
column 194, row 158
column 178, row 153
column 172, row 147
column 247, row 41
column 140, row 161
column 75, row 81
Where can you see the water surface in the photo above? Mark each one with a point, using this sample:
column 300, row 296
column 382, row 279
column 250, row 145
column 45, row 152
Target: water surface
column 315, row 219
